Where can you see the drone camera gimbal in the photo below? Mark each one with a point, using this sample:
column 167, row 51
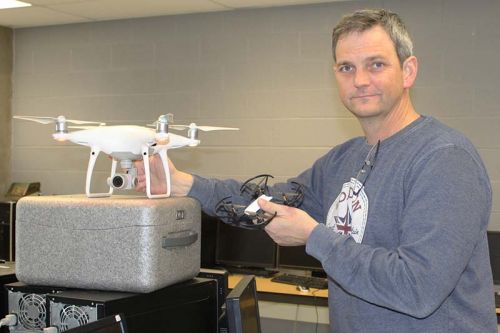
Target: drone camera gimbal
column 123, row 181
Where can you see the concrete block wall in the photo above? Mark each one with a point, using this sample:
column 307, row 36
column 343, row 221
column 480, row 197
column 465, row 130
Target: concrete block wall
column 266, row 71
column 5, row 105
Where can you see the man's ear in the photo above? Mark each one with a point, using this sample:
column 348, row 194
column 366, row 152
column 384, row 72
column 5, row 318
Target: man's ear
column 410, row 69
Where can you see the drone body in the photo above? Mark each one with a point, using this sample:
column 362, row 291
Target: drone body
column 125, row 144
column 123, row 141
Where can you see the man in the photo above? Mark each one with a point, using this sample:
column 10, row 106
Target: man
column 398, row 217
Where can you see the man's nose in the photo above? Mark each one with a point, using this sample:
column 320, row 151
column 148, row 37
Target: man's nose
column 361, row 78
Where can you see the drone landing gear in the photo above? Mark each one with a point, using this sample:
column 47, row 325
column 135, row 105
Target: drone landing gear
column 94, row 152
column 164, row 160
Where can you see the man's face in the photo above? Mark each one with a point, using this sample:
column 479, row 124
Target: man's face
column 369, row 76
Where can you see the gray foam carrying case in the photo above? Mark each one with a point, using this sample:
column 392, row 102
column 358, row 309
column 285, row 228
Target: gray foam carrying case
column 122, row 243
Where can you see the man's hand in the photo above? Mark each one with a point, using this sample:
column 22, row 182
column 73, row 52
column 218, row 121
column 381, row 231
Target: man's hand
column 181, row 182
column 290, row 227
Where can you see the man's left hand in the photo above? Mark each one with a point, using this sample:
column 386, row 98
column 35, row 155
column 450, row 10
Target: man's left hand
column 290, row 227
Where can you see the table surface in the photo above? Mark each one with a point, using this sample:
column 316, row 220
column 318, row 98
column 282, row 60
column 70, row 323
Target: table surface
column 7, row 268
column 265, row 285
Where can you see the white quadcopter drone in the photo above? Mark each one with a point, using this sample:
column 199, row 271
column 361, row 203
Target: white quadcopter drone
column 125, row 143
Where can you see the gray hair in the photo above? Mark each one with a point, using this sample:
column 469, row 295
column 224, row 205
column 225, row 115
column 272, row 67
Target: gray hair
column 363, row 20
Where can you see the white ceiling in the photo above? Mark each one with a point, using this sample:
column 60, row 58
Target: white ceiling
column 52, row 12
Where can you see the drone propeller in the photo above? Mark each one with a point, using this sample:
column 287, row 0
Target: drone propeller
column 81, row 127
column 55, row 120
column 193, row 129
column 193, row 126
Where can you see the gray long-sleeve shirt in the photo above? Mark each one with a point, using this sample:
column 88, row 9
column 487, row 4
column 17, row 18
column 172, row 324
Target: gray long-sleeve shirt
column 408, row 253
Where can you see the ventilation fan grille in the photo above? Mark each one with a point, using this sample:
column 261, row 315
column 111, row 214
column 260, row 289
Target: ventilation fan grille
column 65, row 316
column 32, row 311
column 73, row 316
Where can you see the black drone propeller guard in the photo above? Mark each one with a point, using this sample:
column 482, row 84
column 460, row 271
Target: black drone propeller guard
column 293, row 199
column 253, row 190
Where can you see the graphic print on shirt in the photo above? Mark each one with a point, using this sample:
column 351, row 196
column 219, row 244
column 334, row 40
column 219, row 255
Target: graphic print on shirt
column 349, row 212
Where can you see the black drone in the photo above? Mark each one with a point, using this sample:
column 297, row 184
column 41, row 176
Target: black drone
column 233, row 209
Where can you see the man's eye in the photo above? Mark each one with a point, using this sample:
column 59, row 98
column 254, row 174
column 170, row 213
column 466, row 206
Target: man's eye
column 345, row 68
column 377, row 65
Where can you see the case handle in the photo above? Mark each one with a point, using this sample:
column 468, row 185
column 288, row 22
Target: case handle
column 181, row 238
